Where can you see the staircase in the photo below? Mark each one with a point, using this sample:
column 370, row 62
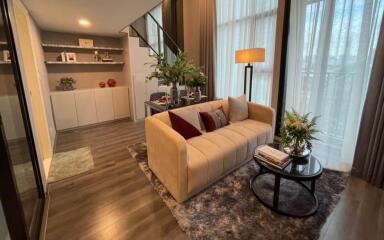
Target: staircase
column 147, row 39
column 149, row 29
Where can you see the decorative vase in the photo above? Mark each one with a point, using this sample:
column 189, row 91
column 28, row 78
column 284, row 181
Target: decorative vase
column 174, row 93
column 197, row 94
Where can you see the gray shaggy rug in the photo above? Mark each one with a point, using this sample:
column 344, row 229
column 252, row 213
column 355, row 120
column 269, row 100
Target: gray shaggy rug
column 229, row 210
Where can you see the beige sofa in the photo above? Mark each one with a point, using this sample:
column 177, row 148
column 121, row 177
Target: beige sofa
column 186, row 167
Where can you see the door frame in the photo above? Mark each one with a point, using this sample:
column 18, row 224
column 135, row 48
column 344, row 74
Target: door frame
column 8, row 191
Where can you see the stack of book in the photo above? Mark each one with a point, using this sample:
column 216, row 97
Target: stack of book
column 274, row 157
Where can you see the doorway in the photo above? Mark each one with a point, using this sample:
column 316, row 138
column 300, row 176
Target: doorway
column 21, row 189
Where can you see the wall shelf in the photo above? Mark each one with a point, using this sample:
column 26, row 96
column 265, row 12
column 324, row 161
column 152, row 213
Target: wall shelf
column 63, row 46
column 4, row 62
column 83, row 63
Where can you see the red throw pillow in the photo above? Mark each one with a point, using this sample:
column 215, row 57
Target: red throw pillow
column 214, row 120
column 183, row 127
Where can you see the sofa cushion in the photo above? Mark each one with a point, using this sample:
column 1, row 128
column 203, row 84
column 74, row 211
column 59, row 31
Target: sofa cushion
column 214, row 120
column 238, row 108
column 183, row 127
column 211, row 155
column 264, row 130
column 190, row 115
column 239, row 140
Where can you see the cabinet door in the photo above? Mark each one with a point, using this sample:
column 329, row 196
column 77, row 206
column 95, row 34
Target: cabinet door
column 64, row 109
column 121, row 102
column 104, row 104
column 85, row 107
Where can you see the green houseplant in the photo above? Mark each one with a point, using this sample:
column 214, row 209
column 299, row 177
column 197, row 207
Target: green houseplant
column 66, row 83
column 171, row 73
column 298, row 132
column 196, row 80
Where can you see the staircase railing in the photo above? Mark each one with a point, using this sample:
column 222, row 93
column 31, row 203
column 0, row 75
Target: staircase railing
column 152, row 34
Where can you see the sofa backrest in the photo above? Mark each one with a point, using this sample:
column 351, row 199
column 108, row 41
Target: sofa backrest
column 201, row 107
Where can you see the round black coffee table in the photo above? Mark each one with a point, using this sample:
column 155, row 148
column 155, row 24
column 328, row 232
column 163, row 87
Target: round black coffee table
column 289, row 191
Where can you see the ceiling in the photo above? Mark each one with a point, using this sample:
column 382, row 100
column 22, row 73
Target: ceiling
column 107, row 17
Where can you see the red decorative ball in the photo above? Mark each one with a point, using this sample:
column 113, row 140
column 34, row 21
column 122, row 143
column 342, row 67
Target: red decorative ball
column 102, row 84
column 111, row 82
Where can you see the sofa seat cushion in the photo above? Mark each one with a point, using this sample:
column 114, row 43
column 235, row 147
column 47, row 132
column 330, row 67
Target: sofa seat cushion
column 239, row 140
column 263, row 129
column 204, row 159
column 255, row 132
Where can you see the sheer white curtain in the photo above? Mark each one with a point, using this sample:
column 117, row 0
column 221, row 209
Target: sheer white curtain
column 330, row 52
column 245, row 24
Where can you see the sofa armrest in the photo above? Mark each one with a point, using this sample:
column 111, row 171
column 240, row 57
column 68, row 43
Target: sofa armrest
column 262, row 113
column 167, row 156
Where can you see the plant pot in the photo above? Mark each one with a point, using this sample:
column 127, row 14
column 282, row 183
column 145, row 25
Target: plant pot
column 302, row 154
column 174, row 92
column 197, row 94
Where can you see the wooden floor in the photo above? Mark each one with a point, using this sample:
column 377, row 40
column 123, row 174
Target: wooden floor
column 115, row 200
column 112, row 201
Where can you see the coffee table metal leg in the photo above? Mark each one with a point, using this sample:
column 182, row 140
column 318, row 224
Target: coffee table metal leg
column 313, row 186
column 276, row 192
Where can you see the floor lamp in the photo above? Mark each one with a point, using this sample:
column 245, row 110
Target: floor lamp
column 251, row 55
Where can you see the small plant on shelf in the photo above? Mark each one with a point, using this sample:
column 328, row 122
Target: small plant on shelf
column 298, row 132
column 66, row 84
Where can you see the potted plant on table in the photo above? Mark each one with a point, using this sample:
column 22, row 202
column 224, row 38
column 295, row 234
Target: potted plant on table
column 197, row 80
column 171, row 73
column 298, row 133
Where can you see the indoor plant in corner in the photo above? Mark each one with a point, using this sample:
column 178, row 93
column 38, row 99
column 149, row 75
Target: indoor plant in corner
column 196, row 80
column 171, row 73
column 297, row 133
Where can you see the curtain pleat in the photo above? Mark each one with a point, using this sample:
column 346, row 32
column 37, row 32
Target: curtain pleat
column 208, row 43
column 369, row 155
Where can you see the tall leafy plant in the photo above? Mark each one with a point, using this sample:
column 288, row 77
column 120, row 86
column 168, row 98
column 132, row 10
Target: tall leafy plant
column 171, row 72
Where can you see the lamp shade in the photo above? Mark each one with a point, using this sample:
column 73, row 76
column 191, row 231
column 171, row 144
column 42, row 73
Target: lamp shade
column 250, row 55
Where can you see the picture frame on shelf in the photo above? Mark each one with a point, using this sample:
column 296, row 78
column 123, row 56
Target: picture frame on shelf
column 6, row 56
column 71, row 57
column 86, row 43
column 63, row 57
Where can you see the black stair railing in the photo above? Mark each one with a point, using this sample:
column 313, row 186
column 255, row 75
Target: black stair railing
column 152, row 35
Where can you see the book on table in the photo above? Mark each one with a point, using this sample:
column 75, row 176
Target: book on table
column 273, row 156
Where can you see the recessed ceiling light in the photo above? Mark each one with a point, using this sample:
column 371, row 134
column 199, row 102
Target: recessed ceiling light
column 84, row 22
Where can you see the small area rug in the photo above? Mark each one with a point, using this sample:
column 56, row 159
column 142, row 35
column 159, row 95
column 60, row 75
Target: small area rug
column 229, row 210
column 70, row 163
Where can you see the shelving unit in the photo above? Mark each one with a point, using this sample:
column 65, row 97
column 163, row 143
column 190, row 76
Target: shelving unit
column 63, row 46
column 83, row 63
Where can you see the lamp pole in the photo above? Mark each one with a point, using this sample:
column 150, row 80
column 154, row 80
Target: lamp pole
column 250, row 67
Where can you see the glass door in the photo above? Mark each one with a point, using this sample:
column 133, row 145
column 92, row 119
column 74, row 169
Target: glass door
column 22, row 195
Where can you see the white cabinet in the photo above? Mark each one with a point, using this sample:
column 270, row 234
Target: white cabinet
column 64, row 110
column 104, row 104
column 85, row 107
column 121, row 102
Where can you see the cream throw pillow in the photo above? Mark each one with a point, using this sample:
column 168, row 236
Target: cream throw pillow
column 190, row 115
column 238, row 108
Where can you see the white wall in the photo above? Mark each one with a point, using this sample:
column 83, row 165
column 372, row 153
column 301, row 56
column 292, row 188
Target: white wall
column 139, row 67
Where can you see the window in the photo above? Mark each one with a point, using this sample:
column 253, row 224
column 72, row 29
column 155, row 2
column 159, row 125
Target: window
column 155, row 34
column 331, row 47
column 245, row 24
